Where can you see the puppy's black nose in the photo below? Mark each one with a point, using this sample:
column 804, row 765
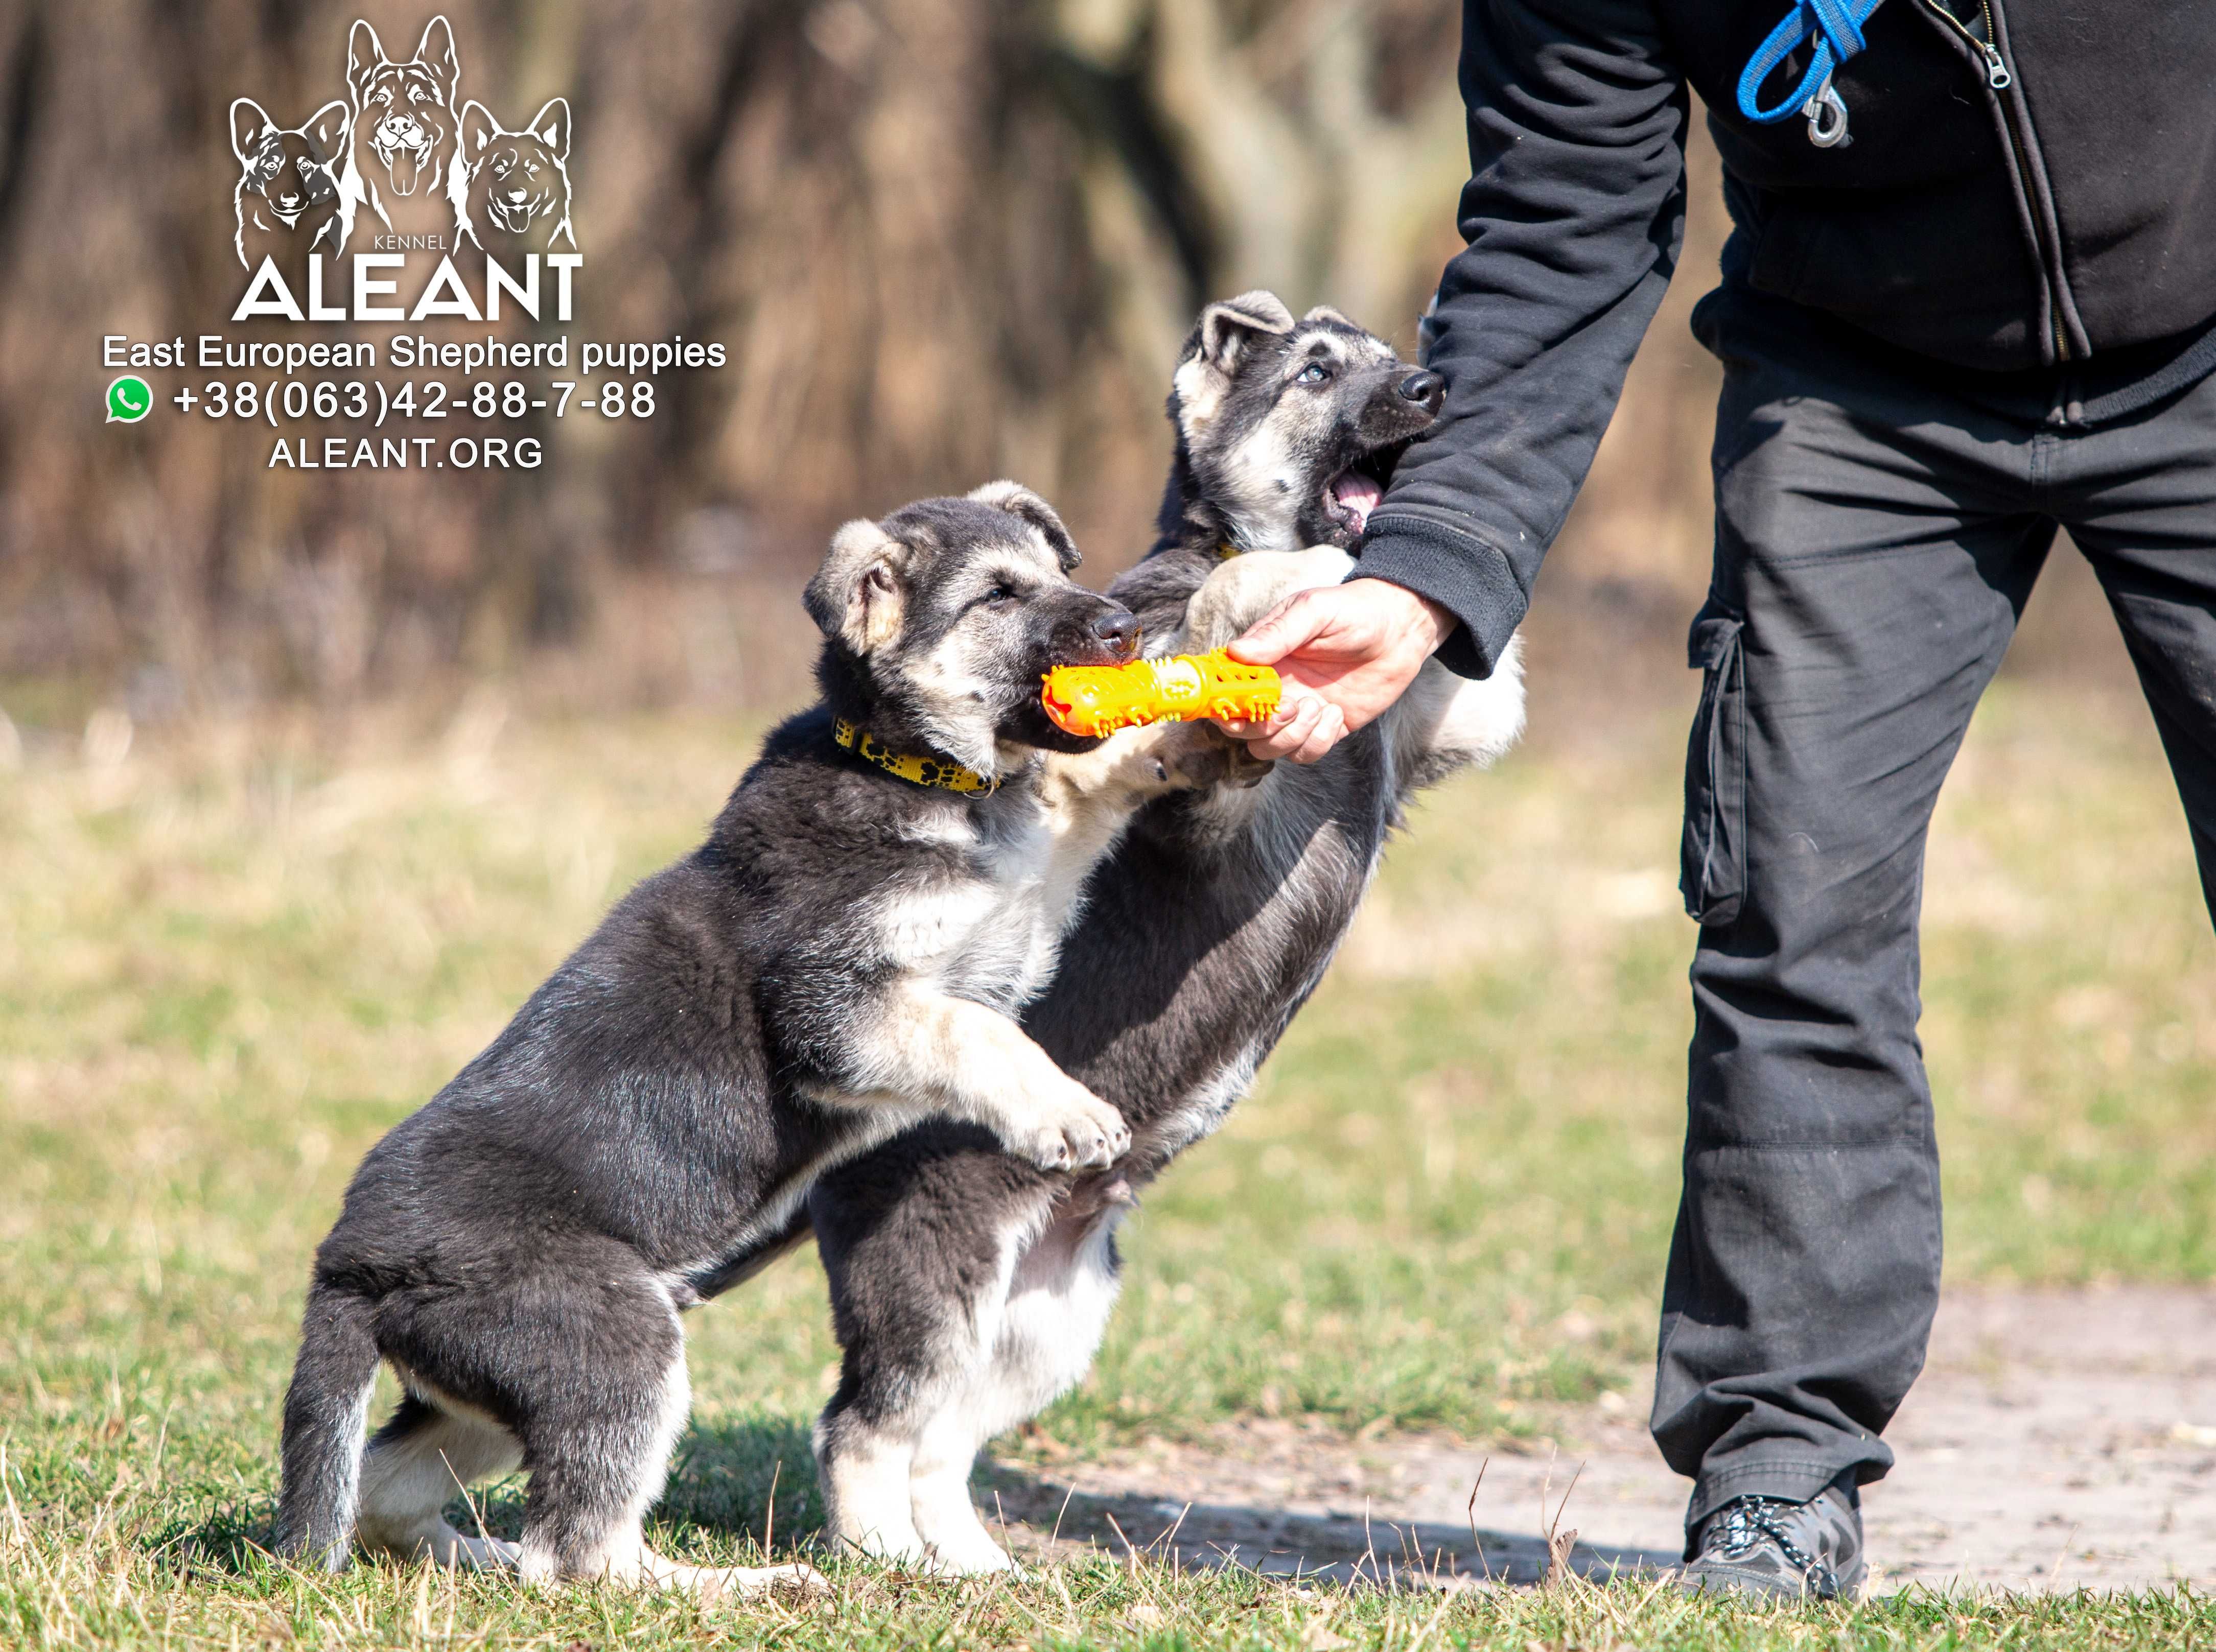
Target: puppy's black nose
column 1427, row 389
column 1119, row 631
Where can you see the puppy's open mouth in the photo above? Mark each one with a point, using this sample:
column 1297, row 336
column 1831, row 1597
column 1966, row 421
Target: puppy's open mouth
column 405, row 154
column 1349, row 496
column 512, row 218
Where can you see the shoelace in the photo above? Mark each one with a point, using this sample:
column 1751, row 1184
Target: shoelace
column 1744, row 1522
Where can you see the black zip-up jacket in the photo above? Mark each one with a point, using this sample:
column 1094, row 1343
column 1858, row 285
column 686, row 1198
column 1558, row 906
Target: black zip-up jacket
column 2065, row 218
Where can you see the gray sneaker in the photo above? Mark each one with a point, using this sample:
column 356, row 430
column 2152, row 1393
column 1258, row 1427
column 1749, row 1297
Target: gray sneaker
column 1767, row 1546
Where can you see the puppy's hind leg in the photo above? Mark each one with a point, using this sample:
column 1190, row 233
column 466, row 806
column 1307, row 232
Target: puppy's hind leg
column 582, row 1344
column 863, row 1464
column 599, row 1454
column 1037, row 1342
column 894, row 1448
column 421, row 1457
column 971, row 1406
column 919, row 1266
column 946, row 1518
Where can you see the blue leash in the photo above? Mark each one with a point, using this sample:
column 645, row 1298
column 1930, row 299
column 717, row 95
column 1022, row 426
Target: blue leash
column 1836, row 27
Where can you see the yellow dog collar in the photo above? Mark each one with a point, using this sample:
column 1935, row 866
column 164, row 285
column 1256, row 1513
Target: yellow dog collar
column 918, row 770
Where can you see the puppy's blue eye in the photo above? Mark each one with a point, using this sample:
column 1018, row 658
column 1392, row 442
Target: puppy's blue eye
column 1000, row 594
column 1314, row 373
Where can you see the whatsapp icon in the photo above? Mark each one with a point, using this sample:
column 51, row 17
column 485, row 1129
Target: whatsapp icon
column 130, row 399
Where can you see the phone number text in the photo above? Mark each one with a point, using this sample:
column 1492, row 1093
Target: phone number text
column 374, row 399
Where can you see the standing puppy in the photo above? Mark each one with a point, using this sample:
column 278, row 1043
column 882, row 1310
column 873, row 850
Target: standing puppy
column 969, row 1290
column 842, row 958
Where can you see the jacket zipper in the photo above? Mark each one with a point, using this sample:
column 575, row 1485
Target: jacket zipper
column 1998, row 77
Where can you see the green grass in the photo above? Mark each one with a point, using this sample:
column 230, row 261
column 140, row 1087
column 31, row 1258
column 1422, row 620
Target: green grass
column 227, row 964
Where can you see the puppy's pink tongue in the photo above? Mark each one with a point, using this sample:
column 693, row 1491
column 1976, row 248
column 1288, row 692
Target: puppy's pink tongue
column 403, row 171
column 1357, row 495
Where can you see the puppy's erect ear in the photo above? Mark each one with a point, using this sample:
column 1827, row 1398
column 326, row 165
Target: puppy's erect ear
column 478, row 128
column 364, row 56
column 550, row 126
column 1213, row 351
column 326, row 129
column 1228, row 327
column 859, row 594
column 250, row 124
column 1427, row 332
column 1326, row 313
column 436, row 50
column 1018, row 501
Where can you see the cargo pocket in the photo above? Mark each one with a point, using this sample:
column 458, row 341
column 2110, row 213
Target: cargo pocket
column 1712, row 873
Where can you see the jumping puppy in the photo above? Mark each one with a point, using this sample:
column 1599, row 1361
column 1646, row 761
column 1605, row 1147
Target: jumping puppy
column 842, row 958
column 970, row 1290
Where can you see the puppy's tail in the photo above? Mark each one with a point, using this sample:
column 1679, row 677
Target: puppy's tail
column 325, row 1411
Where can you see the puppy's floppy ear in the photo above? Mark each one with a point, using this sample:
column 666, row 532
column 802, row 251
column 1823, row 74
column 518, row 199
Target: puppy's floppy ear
column 1228, row 327
column 550, row 126
column 364, row 56
column 858, row 595
column 1021, row 502
column 326, row 129
column 478, row 128
column 250, row 124
column 1326, row 313
column 436, row 52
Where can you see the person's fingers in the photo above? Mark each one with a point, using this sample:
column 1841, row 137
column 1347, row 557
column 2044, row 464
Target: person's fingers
column 1289, row 729
column 1286, row 628
column 1329, row 729
column 1305, row 731
column 1288, row 732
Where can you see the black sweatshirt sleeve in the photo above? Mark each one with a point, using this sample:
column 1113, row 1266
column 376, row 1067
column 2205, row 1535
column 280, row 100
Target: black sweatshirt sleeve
column 1574, row 214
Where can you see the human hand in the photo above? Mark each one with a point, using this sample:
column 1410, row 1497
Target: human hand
column 1346, row 652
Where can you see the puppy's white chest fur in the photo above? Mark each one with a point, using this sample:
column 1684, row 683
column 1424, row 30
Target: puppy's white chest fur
column 990, row 932
column 993, row 932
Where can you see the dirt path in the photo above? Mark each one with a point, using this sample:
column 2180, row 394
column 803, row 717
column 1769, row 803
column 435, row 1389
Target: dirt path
column 2056, row 1440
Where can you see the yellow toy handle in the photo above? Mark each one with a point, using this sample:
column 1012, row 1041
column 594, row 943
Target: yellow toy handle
column 1097, row 700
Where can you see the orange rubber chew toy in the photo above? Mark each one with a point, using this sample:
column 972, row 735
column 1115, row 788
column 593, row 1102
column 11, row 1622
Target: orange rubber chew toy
column 1094, row 700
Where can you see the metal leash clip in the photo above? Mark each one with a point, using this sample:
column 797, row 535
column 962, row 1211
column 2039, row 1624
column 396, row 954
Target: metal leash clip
column 1827, row 118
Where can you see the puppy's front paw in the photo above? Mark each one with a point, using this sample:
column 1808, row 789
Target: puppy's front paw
column 1196, row 754
column 1082, row 1133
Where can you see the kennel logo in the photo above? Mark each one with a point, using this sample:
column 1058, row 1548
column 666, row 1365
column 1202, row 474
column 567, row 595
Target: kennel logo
column 333, row 213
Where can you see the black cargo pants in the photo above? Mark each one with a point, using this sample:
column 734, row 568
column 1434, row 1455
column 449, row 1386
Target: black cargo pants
column 1877, row 534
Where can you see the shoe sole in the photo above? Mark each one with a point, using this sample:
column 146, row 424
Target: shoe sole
column 1727, row 1580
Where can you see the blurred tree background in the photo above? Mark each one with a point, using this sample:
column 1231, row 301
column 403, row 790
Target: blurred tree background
column 941, row 239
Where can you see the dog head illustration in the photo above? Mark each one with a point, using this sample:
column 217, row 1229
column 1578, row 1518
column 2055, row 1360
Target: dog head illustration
column 517, row 183
column 286, row 181
column 405, row 112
